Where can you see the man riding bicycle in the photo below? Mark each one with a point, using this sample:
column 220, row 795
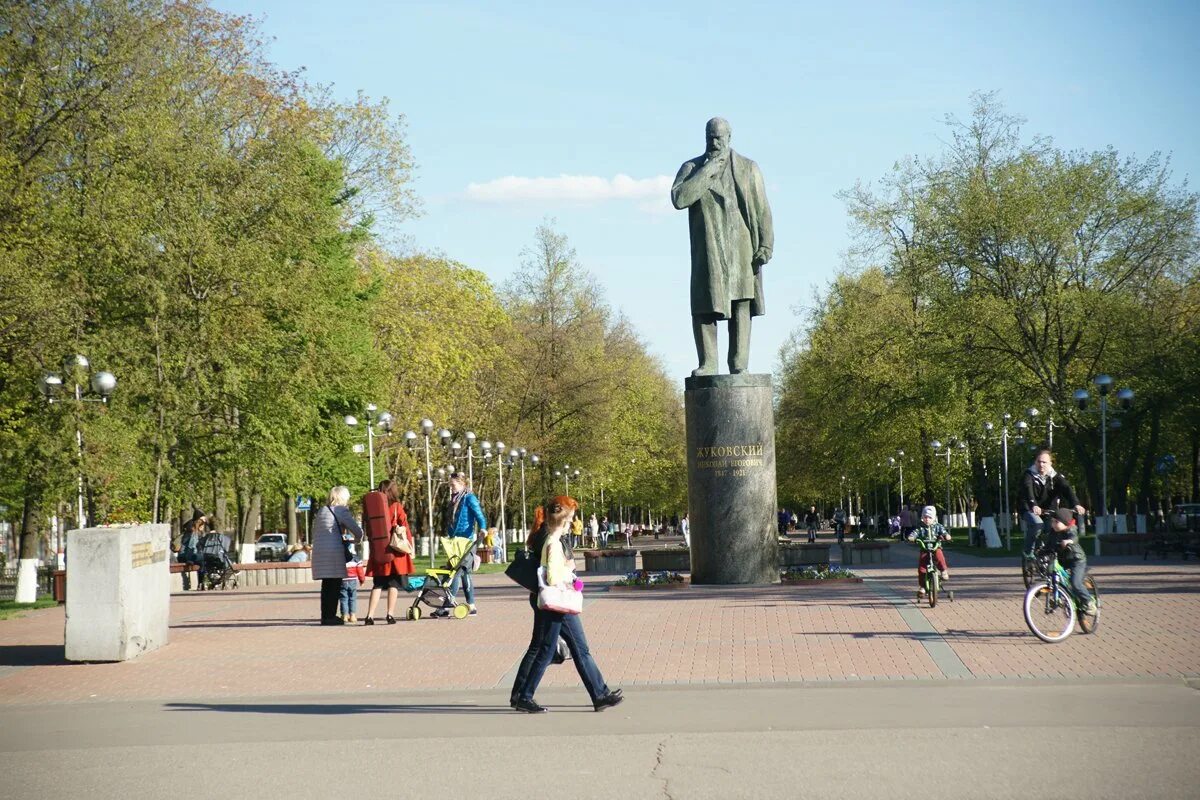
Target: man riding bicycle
column 930, row 530
column 1043, row 491
column 1062, row 541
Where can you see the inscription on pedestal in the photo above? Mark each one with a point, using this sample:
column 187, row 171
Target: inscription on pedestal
column 735, row 460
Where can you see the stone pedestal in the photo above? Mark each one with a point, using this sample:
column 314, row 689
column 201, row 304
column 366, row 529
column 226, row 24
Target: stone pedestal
column 731, row 479
column 118, row 592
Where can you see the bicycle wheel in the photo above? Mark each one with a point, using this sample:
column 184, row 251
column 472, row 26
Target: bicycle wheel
column 1028, row 571
column 1089, row 622
column 931, row 585
column 1049, row 614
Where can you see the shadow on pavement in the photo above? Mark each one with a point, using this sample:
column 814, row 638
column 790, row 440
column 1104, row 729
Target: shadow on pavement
column 32, row 655
column 251, row 623
column 335, row 709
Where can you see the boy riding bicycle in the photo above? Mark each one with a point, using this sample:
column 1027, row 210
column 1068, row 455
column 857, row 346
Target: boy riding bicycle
column 930, row 530
column 1062, row 542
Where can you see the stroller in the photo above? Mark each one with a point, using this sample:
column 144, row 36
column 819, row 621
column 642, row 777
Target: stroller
column 216, row 570
column 433, row 588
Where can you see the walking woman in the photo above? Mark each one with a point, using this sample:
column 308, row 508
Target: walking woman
column 558, row 566
column 330, row 524
column 386, row 566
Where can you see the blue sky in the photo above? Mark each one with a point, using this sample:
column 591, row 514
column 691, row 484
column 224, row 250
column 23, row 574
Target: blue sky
column 819, row 94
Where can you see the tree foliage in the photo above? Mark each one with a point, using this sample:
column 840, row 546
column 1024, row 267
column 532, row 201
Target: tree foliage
column 1015, row 272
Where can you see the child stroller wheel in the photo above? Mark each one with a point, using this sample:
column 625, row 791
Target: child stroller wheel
column 413, row 613
column 461, row 611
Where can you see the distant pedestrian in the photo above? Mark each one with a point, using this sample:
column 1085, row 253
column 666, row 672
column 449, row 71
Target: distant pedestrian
column 686, row 528
column 594, row 530
column 781, row 521
column 811, row 521
column 605, row 530
column 329, row 554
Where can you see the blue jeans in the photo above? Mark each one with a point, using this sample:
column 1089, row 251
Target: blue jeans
column 547, row 627
column 1033, row 525
column 348, row 598
column 468, row 583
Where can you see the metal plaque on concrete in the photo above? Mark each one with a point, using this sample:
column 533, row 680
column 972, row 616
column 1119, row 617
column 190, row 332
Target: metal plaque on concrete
column 118, row 592
column 731, row 479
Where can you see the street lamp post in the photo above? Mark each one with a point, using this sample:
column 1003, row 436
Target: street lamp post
column 521, row 454
column 1033, row 414
column 898, row 461
column 1125, row 396
column 410, row 439
column 470, row 437
column 501, row 448
column 102, row 384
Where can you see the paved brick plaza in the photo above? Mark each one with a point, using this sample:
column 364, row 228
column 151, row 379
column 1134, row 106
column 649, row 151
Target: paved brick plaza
column 265, row 642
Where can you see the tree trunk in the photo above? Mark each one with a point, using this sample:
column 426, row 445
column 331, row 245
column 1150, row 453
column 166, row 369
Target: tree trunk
column 289, row 516
column 1147, row 489
column 1195, row 465
column 27, row 563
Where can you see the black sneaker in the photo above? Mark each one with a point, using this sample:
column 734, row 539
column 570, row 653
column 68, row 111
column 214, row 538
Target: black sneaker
column 610, row 699
column 440, row 613
column 528, row 707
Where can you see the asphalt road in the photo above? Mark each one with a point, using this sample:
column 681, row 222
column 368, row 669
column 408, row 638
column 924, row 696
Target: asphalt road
column 961, row 739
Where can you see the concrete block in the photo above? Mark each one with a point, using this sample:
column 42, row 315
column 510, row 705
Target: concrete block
column 247, row 554
column 118, row 592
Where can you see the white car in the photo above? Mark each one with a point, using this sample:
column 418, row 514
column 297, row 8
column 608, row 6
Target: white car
column 271, row 547
column 1185, row 517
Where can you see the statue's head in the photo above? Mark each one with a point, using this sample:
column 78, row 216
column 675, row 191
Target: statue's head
column 717, row 133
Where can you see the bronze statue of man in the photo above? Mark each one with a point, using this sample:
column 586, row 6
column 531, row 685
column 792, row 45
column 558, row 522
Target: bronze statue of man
column 732, row 237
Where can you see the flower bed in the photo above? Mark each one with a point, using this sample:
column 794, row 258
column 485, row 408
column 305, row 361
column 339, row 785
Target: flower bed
column 642, row 579
column 610, row 562
column 819, row 575
column 668, row 559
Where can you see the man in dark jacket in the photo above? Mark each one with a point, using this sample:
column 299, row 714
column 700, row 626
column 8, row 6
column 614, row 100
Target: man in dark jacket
column 1043, row 491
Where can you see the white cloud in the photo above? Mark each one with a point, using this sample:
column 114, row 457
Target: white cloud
column 646, row 192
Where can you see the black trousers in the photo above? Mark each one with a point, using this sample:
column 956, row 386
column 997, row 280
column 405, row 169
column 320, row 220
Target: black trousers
column 330, row 589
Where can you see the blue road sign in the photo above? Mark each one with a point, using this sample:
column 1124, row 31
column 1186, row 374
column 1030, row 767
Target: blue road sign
column 303, row 503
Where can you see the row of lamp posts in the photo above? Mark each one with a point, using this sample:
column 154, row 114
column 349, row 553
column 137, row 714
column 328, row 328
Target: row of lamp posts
column 1103, row 384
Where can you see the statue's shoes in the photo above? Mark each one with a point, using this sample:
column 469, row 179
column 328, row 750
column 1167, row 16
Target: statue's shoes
column 701, row 372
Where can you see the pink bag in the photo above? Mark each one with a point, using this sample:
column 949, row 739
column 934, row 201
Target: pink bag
column 563, row 599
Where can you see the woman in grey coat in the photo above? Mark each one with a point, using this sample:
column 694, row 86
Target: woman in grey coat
column 330, row 524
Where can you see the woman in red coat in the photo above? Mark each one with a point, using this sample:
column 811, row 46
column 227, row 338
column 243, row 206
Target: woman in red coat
column 387, row 567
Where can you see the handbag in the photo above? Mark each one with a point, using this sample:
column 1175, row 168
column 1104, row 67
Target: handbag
column 523, row 569
column 561, row 598
column 399, row 542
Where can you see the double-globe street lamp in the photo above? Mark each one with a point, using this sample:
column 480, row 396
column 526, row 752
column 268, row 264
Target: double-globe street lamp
column 1125, row 397
column 102, row 385
column 384, row 421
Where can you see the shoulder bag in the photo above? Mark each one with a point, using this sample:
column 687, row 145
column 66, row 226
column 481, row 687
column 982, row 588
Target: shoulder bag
column 523, row 570
column 399, row 542
column 561, row 598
